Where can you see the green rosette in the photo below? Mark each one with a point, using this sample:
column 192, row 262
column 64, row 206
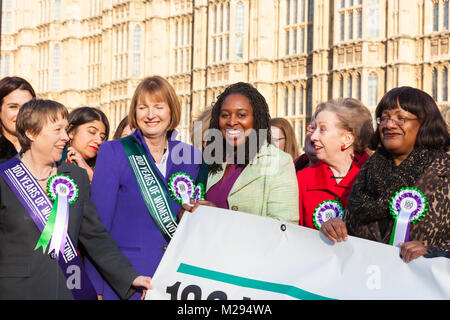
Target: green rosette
column 199, row 192
column 417, row 196
column 181, row 187
column 410, row 201
column 60, row 179
column 326, row 210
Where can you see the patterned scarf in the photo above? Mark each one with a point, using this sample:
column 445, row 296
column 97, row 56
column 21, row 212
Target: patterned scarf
column 376, row 184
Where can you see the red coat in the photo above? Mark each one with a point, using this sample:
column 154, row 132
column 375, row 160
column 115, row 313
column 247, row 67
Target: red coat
column 315, row 185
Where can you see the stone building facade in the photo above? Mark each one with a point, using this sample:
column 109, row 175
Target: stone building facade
column 298, row 53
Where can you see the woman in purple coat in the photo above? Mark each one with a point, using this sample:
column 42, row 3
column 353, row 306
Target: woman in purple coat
column 130, row 183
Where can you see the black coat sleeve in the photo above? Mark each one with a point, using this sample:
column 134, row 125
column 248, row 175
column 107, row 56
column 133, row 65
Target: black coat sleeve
column 102, row 249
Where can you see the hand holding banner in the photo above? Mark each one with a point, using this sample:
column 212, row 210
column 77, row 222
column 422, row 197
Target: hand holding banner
column 222, row 254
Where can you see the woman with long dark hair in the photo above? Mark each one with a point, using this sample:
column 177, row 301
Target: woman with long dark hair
column 245, row 172
column 88, row 129
column 14, row 92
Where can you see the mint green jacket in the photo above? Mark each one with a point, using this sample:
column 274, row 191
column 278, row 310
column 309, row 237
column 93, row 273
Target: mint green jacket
column 266, row 187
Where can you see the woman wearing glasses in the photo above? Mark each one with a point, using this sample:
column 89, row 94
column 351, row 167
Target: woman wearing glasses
column 401, row 195
column 341, row 132
column 283, row 136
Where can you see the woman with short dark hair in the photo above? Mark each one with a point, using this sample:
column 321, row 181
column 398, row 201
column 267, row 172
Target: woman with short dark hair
column 401, row 195
column 14, row 92
column 46, row 213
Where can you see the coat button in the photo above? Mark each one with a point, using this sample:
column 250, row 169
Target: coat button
column 234, row 208
column 164, row 248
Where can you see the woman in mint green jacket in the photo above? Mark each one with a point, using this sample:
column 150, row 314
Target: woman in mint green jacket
column 244, row 172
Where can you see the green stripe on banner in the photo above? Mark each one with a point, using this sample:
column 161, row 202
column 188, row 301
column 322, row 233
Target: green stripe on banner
column 249, row 283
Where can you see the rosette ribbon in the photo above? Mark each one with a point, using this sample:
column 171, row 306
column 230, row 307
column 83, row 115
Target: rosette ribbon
column 63, row 191
column 407, row 206
column 327, row 210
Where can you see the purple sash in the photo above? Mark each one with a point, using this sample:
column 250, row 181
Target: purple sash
column 38, row 205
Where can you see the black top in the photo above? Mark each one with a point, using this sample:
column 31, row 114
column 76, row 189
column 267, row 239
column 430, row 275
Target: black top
column 26, row 273
column 7, row 149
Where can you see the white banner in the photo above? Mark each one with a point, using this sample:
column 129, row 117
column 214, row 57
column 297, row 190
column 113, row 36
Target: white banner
column 221, row 254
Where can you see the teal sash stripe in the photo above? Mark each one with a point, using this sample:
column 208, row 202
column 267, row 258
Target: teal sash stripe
column 152, row 189
column 249, row 283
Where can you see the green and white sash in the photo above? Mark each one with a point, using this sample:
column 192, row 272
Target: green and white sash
column 151, row 186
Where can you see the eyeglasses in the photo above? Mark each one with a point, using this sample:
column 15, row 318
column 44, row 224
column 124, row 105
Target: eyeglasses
column 276, row 140
column 310, row 127
column 400, row 121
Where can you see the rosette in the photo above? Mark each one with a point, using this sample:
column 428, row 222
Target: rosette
column 410, row 200
column 181, row 187
column 63, row 191
column 199, row 192
column 327, row 210
column 408, row 205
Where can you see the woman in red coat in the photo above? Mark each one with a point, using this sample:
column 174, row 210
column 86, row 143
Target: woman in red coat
column 340, row 136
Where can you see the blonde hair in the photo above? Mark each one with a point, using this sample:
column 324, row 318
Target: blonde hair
column 161, row 90
column 291, row 145
column 354, row 117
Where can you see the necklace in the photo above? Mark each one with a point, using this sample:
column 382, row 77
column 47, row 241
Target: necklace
column 337, row 178
column 49, row 174
column 42, row 179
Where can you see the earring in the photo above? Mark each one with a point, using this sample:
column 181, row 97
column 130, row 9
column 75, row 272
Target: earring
column 343, row 147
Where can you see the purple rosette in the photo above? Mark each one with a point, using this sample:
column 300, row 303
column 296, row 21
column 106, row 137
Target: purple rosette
column 407, row 206
column 199, row 192
column 181, row 187
column 64, row 185
column 327, row 210
column 409, row 200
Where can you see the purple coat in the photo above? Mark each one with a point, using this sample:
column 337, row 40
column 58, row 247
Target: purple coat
column 121, row 208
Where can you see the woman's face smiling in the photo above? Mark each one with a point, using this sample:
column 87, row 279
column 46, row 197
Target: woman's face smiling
column 328, row 137
column 236, row 119
column 10, row 107
column 152, row 116
column 50, row 142
column 399, row 140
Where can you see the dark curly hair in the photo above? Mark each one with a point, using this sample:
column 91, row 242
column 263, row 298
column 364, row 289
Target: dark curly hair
column 261, row 120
